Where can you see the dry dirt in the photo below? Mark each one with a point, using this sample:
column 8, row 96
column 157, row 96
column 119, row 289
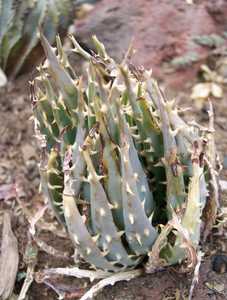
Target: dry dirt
column 160, row 31
column 18, row 158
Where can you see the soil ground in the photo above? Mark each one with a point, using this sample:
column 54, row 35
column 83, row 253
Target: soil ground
column 18, row 163
column 19, row 156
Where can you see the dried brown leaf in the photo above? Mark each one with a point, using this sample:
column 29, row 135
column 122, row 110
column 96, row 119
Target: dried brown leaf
column 33, row 219
column 49, row 249
column 155, row 262
column 186, row 242
column 216, row 90
column 201, row 90
column 30, row 258
column 223, row 184
column 216, row 286
column 9, row 259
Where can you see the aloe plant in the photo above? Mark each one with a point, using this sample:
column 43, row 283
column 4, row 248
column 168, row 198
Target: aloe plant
column 19, row 24
column 123, row 172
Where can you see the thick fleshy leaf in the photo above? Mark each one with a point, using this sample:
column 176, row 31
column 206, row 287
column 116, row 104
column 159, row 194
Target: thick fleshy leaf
column 139, row 231
column 52, row 183
column 19, row 25
column 130, row 162
column 174, row 174
column 102, row 220
column 81, row 237
column 61, row 77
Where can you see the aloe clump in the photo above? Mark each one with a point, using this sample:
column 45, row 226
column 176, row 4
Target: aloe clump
column 126, row 176
column 19, row 24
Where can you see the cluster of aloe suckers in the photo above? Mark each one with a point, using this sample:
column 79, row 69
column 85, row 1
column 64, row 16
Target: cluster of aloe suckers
column 19, row 24
column 122, row 171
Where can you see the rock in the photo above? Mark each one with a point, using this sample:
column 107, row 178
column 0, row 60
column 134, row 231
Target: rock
column 219, row 263
column 32, row 169
column 162, row 30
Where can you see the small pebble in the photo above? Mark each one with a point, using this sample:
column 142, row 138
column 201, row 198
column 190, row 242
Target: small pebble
column 219, row 263
column 32, row 169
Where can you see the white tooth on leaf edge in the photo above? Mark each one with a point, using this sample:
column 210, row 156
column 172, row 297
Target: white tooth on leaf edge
column 135, row 175
column 143, row 188
column 118, row 256
column 128, row 189
column 131, row 218
column 108, row 238
column 138, row 237
column 146, row 232
column 102, row 212
column 88, row 251
column 75, row 237
column 95, row 238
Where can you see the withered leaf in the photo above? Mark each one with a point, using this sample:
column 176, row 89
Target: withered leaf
column 9, row 259
column 201, row 90
column 216, row 90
